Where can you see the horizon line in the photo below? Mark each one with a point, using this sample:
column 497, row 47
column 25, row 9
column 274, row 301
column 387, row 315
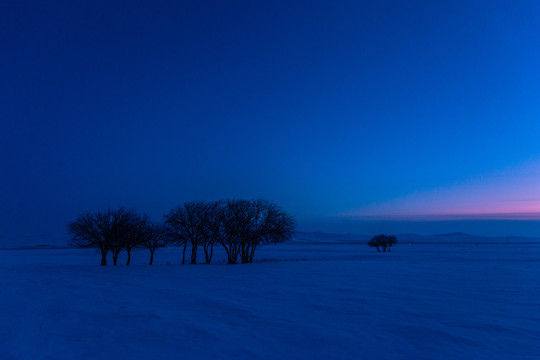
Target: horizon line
column 426, row 217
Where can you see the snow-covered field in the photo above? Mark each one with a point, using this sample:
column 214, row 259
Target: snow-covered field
column 299, row 301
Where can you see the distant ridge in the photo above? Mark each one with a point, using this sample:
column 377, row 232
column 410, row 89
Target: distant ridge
column 446, row 238
column 52, row 241
column 40, row 241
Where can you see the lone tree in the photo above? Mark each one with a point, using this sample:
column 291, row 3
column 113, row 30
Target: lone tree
column 391, row 241
column 384, row 242
column 375, row 243
column 105, row 230
column 184, row 225
column 155, row 237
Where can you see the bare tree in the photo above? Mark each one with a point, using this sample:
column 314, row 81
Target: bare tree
column 211, row 227
column 374, row 243
column 184, row 225
column 106, row 230
column 135, row 228
column 277, row 227
column 86, row 232
column 391, row 241
column 155, row 236
column 236, row 218
column 384, row 242
column 247, row 224
column 115, row 225
column 270, row 225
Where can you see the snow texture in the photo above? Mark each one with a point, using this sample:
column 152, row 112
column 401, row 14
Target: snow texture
column 298, row 301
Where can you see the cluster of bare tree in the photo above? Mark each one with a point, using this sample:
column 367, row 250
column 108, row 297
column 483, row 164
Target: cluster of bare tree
column 384, row 242
column 115, row 230
column 239, row 226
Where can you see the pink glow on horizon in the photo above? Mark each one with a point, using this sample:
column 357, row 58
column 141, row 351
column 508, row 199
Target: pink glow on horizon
column 513, row 194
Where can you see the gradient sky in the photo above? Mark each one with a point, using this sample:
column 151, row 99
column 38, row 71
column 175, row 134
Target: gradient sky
column 354, row 116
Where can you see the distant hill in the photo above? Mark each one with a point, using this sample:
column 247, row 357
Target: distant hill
column 450, row 238
column 45, row 241
column 34, row 241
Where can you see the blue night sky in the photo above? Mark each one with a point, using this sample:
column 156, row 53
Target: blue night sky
column 354, row 116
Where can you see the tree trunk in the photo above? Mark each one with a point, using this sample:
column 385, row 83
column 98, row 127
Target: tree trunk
column 103, row 257
column 228, row 250
column 252, row 253
column 129, row 256
column 151, row 256
column 194, row 253
column 207, row 255
column 115, row 257
column 184, row 253
column 244, row 253
column 233, row 251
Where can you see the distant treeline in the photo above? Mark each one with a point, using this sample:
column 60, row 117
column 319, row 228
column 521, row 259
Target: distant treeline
column 239, row 226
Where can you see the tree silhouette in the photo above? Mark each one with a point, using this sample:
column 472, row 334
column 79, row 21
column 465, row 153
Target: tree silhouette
column 86, row 232
column 240, row 226
column 391, row 241
column 184, row 225
column 249, row 223
column 375, row 243
column 155, row 237
column 135, row 232
column 384, row 242
column 211, row 227
column 106, row 230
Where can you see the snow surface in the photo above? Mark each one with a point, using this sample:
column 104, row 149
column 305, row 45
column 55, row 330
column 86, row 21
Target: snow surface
column 299, row 301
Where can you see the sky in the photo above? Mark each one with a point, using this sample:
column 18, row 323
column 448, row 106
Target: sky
column 375, row 116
